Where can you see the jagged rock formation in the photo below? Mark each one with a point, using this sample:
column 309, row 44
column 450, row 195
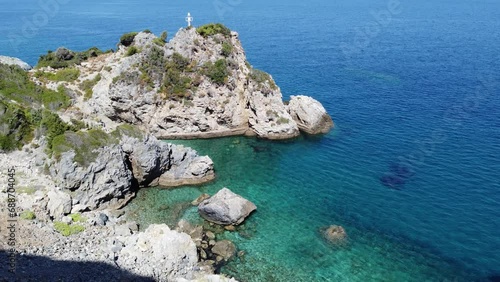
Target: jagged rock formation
column 111, row 179
column 14, row 61
column 226, row 208
column 309, row 114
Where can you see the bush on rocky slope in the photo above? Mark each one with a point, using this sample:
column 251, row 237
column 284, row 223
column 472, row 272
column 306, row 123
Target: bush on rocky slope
column 213, row 29
column 16, row 85
column 63, row 57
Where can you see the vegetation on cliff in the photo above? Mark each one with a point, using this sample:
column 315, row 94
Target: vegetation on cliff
column 213, row 29
column 63, row 57
column 86, row 143
column 26, row 107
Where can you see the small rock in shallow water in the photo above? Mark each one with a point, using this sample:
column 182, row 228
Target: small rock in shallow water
column 200, row 199
column 225, row 249
column 335, row 234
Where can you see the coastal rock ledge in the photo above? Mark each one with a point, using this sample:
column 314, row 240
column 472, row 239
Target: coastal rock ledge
column 226, row 208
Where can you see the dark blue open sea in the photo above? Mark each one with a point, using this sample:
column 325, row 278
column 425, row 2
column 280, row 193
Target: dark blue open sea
column 411, row 170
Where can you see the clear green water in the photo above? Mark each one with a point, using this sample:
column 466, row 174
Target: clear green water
column 281, row 239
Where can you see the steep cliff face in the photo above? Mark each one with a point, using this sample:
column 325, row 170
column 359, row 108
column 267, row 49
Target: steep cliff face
column 194, row 86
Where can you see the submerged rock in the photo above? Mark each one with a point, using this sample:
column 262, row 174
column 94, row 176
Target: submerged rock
column 200, row 199
column 225, row 249
column 226, row 208
column 309, row 114
column 335, row 234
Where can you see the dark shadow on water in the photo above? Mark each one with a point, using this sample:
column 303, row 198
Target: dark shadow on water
column 41, row 269
column 494, row 278
column 397, row 176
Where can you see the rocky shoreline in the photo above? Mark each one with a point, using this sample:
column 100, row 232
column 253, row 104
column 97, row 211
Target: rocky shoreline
column 86, row 157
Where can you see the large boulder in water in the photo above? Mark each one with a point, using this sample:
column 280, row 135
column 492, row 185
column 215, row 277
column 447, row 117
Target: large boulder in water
column 226, row 208
column 309, row 114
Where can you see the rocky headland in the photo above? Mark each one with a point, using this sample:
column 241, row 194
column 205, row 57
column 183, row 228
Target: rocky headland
column 83, row 130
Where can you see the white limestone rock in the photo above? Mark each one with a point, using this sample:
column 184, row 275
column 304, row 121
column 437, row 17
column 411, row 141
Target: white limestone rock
column 226, row 208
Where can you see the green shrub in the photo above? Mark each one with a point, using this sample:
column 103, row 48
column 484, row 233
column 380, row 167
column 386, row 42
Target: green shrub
column 132, row 51
column 180, row 62
column 16, row 125
column 175, row 81
column 77, row 217
column 128, row 38
column 217, row 72
column 152, row 67
column 15, row 84
column 83, row 143
column 54, row 126
column 66, row 229
column 262, row 77
column 87, row 86
column 147, row 31
column 163, row 36
column 161, row 40
column 212, row 29
column 227, row 49
column 66, row 74
column 26, row 190
column 78, row 124
column 27, row 215
column 51, row 59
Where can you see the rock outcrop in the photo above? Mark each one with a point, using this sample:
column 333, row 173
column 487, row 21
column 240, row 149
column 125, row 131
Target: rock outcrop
column 225, row 249
column 226, row 208
column 159, row 163
column 59, row 204
column 106, row 182
column 309, row 114
column 118, row 170
column 14, row 61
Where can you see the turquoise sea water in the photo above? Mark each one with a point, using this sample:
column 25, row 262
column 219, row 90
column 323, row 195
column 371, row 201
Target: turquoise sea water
column 411, row 169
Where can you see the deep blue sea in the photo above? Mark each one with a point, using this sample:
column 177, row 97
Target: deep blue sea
column 411, row 169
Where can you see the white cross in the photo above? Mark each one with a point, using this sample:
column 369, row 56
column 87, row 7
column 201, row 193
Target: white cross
column 189, row 19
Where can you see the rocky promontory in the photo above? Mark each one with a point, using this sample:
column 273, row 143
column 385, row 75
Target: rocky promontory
column 197, row 85
column 82, row 132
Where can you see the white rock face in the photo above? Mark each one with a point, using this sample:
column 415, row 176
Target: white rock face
column 14, row 61
column 310, row 115
column 226, row 208
column 176, row 252
column 59, row 204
